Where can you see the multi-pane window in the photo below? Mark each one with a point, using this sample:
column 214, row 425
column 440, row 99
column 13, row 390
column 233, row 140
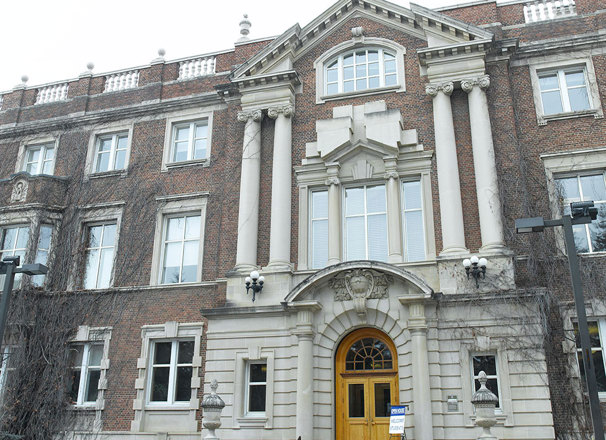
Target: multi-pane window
column 189, row 141
column 110, row 152
column 564, row 91
column 171, row 371
column 597, row 331
column 487, row 364
column 39, row 159
column 360, row 70
column 13, row 242
column 318, row 229
column 365, row 223
column 85, row 372
column 590, row 237
column 256, row 386
column 181, row 249
column 100, row 248
column 412, row 219
column 42, row 251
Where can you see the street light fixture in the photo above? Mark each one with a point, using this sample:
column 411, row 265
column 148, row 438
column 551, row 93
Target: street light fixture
column 580, row 213
column 255, row 283
column 9, row 267
column 476, row 267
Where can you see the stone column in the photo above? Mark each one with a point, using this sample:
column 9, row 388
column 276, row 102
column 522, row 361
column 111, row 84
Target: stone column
column 394, row 225
column 281, row 188
column 487, row 188
column 421, row 392
column 334, row 216
column 451, row 207
column 305, row 404
column 248, row 214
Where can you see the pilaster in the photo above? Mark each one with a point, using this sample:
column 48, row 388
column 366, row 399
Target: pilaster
column 394, row 225
column 334, row 215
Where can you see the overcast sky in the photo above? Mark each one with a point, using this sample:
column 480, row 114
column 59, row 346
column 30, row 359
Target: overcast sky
column 53, row 40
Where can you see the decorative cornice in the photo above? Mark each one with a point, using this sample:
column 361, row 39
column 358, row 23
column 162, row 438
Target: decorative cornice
column 255, row 115
column 433, row 89
column 483, row 82
column 466, row 48
column 286, row 110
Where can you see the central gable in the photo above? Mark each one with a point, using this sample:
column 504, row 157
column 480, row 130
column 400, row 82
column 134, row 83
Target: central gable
column 433, row 27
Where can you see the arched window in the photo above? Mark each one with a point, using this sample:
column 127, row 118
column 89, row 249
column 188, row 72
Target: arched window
column 359, row 70
column 368, row 354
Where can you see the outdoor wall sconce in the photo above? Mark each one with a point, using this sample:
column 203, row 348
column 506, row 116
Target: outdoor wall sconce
column 476, row 267
column 255, row 283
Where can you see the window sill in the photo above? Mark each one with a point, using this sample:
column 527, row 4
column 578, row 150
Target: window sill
column 252, row 421
column 395, row 88
column 544, row 119
column 593, row 255
column 187, row 163
column 87, row 407
column 120, row 173
column 165, row 407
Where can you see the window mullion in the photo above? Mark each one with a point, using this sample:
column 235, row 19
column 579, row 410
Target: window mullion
column 99, row 248
column 365, row 222
column 83, row 374
column 172, row 377
column 563, row 91
column 113, row 152
column 190, row 147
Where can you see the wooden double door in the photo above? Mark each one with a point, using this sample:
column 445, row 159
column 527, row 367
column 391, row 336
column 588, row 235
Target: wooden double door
column 366, row 385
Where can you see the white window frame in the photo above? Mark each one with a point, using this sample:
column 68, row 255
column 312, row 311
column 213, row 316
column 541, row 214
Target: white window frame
column 601, row 323
column 113, row 151
column 42, row 160
column 370, row 43
column 569, row 163
column 99, row 336
column 554, row 63
column 182, row 240
column 93, row 142
column 172, row 376
column 496, row 376
column 175, row 206
column 180, row 119
column 147, row 412
column 311, row 224
column 242, row 418
column 38, row 250
column 85, row 370
column 99, row 248
column 249, row 384
column 563, row 87
column 11, row 251
column 191, row 140
column 344, row 217
column 34, row 142
column 91, row 215
column 403, row 217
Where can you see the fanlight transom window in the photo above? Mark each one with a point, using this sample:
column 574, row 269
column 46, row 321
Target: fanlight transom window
column 359, row 70
column 368, row 354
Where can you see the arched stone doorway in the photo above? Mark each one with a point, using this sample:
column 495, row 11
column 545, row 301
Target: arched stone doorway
column 366, row 385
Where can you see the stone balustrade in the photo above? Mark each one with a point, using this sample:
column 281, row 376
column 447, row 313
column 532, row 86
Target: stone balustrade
column 121, row 81
column 543, row 10
column 196, row 67
column 52, row 93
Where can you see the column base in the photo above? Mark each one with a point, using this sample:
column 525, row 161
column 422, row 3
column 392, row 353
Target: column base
column 241, row 269
column 278, row 266
column 494, row 248
column 454, row 251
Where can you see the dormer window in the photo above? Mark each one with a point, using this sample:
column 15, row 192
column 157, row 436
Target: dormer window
column 360, row 70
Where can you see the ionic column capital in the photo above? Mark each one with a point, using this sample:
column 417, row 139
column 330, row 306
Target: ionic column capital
column 332, row 180
column 286, row 110
column 482, row 82
column 432, row 89
column 255, row 115
column 391, row 174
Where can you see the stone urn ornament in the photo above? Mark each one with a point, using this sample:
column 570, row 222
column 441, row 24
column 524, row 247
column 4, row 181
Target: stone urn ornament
column 212, row 405
column 485, row 403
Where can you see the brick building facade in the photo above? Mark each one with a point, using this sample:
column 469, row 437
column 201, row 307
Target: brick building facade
column 355, row 163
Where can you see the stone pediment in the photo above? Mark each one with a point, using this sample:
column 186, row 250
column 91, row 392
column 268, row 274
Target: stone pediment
column 435, row 28
column 370, row 128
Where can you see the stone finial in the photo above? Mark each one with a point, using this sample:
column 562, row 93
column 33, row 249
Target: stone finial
column 160, row 58
column 90, row 66
column 23, row 82
column 485, row 402
column 212, row 405
column 245, row 25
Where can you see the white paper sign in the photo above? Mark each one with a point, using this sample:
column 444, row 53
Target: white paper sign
column 397, row 419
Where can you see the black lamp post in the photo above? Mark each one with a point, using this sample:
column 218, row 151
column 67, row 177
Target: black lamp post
column 9, row 268
column 580, row 213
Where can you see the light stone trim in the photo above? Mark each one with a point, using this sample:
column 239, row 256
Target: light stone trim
column 86, row 334
column 190, row 115
column 31, row 141
column 89, row 215
column 564, row 61
column 145, row 412
column 105, row 129
column 170, row 206
column 358, row 43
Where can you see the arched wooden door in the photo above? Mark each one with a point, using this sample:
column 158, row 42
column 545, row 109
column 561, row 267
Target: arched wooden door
column 366, row 385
